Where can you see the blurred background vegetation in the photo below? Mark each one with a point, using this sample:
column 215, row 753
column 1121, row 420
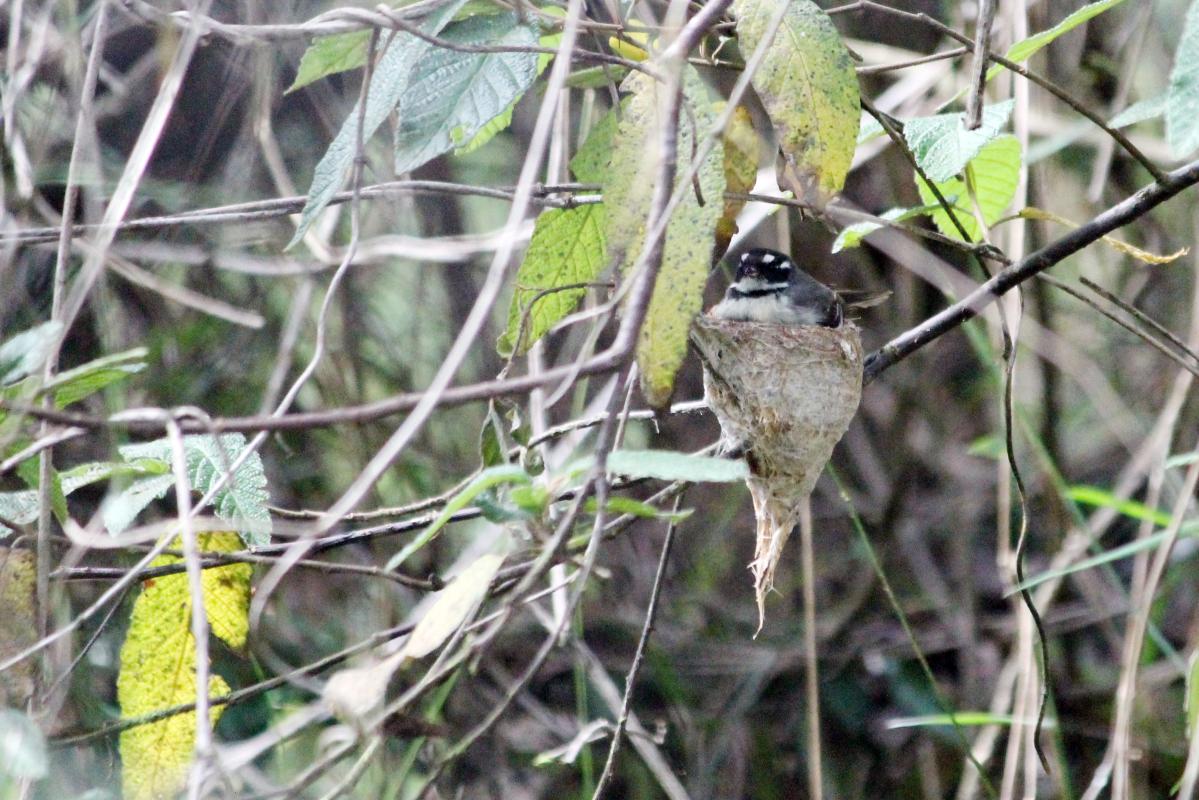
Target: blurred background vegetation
column 921, row 465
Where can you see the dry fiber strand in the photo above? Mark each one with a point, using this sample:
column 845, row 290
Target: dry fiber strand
column 785, row 394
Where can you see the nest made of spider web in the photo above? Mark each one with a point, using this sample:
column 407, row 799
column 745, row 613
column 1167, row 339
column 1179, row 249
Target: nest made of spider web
column 785, row 394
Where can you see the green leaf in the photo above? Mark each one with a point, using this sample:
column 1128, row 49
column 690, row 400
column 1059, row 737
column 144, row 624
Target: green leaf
column 943, row 146
column 1026, row 48
column 852, row 235
column 619, row 504
column 869, row 128
column 87, row 379
column 96, row 471
column 1191, row 704
column 668, row 465
column 500, row 123
column 452, row 95
column 118, row 511
column 241, row 502
column 20, row 508
column 26, row 353
column 995, row 171
column 690, row 237
column 958, row 718
column 328, row 55
column 809, row 88
column 590, row 163
column 1188, row 530
column 487, row 479
column 1102, row 498
column 23, row 751
column 389, row 81
column 1182, row 106
column 1140, row 111
column 567, row 248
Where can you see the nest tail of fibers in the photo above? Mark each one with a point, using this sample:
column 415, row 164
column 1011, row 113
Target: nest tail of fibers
column 785, row 394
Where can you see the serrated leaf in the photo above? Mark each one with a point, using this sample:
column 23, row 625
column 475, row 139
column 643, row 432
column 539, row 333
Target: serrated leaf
column 1026, row 48
column 1120, row 246
column 852, row 235
column 501, row 122
column 93, row 472
column 668, row 465
column 241, row 502
column 87, row 379
column 741, row 148
column 943, row 146
column 1182, row 106
column 158, row 666
column 389, row 81
column 487, row 479
column 995, row 171
column 1140, row 111
column 453, row 94
column 20, row 508
column 18, row 627
column 118, row 511
column 567, row 248
column 26, row 353
column 329, row 55
column 809, row 87
column 690, row 236
column 590, row 163
column 23, row 751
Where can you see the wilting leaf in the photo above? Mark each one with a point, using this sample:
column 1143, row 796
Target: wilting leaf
column 1144, row 256
column 995, row 171
column 809, row 88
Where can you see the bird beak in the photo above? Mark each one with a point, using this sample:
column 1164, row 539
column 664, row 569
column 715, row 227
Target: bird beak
column 750, row 271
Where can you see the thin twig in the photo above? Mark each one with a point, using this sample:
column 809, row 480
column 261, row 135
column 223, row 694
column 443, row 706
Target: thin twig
column 978, row 68
column 635, row 668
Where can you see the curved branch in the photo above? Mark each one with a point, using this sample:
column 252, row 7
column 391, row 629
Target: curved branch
column 1118, row 215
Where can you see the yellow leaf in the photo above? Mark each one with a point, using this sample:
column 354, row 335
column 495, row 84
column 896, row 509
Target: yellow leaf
column 690, row 236
column 18, row 628
column 1144, row 256
column 741, row 146
column 158, row 667
column 809, row 87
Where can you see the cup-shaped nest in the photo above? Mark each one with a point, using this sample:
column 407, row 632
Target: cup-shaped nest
column 784, row 395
